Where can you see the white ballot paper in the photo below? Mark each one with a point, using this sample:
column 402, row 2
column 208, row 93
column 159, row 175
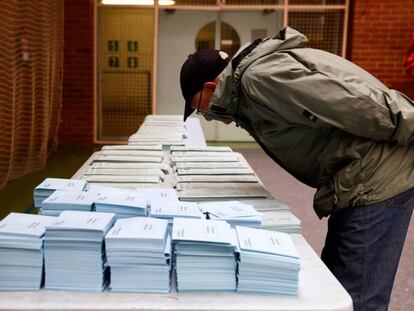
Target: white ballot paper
column 163, row 209
column 210, row 165
column 229, row 209
column 159, row 194
column 232, row 158
column 215, row 171
column 131, row 153
column 125, row 179
column 216, row 179
column 211, row 154
column 125, row 172
column 129, row 147
column 201, row 149
column 134, row 159
column 130, row 166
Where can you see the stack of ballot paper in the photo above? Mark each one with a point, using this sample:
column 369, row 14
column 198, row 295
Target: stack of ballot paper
column 183, row 166
column 74, row 251
column 204, row 255
column 227, row 178
column 268, row 262
column 129, row 166
column 164, row 117
column 159, row 194
column 167, row 132
column 200, row 149
column 21, row 251
column 62, row 200
column 140, row 156
column 123, row 204
column 170, row 210
column 215, row 191
column 129, row 147
column 267, row 204
column 233, row 212
column 49, row 185
column 283, row 221
column 139, row 255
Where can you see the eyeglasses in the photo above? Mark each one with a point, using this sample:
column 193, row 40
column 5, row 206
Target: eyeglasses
column 198, row 111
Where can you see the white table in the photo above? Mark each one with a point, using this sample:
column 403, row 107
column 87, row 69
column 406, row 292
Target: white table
column 318, row 288
column 318, row 291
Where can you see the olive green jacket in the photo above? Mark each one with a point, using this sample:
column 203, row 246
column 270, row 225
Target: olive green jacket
column 325, row 120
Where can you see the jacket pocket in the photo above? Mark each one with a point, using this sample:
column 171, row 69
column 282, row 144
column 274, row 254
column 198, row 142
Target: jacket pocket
column 348, row 183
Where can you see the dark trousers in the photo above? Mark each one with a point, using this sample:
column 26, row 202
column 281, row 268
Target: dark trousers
column 363, row 247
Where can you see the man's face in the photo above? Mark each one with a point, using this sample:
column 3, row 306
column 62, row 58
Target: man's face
column 202, row 98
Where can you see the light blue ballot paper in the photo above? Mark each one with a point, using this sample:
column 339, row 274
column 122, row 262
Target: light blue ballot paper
column 49, row 185
column 268, row 262
column 74, row 251
column 21, row 251
column 139, row 255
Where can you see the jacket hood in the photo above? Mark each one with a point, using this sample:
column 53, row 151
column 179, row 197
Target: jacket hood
column 223, row 106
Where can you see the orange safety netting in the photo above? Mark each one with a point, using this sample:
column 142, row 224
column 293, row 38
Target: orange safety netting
column 31, row 65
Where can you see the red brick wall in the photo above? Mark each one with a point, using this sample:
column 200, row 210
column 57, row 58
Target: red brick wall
column 381, row 30
column 77, row 105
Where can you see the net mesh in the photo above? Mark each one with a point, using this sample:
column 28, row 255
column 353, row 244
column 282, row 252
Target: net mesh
column 323, row 29
column 31, row 56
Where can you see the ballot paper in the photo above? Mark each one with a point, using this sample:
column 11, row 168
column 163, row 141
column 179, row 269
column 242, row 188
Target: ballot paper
column 231, row 158
column 130, row 166
column 139, row 255
column 21, row 251
column 99, row 190
column 157, row 129
column 233, row 212
column 124, row 185
column 216, row 179
column 157, row 136
column 200, row 149
column 164, row 117
column 160, row 194
column 263, row 205
column 214, row 191
column 204, row 255
column 169, row 210
column 133, row 159
column 49, row 185
column 74, row 251
column 165, row 143
column 62, row 200
column 125, row 172
column 198, row 154
column 131, row 153
column 283, row 221
column 122, row 204
column 123, row 179
column 210, row 165
column 268, row 262
column 163, row 209
column 214, row 171
column 129, row 147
